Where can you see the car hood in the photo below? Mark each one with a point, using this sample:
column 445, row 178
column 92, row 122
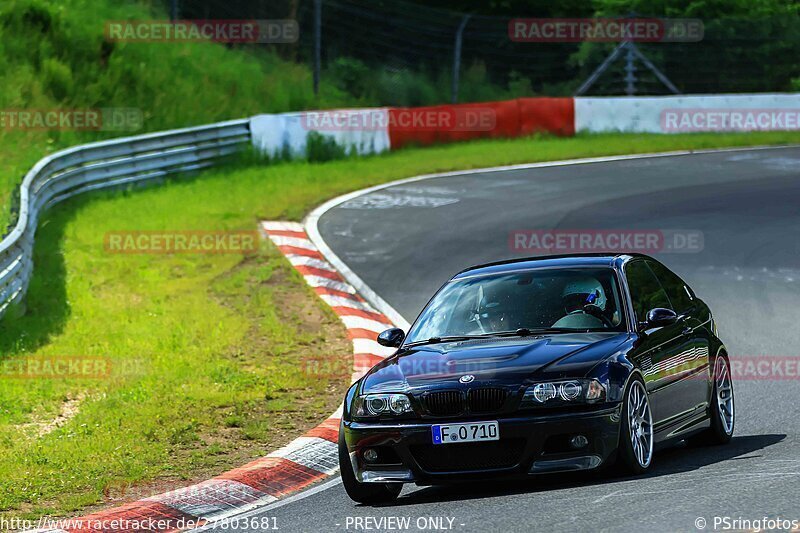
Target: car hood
column 498, row 361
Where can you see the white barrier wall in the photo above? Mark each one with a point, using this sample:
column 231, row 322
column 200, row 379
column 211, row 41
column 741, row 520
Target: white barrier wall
column 365, row 131
column 685, row 114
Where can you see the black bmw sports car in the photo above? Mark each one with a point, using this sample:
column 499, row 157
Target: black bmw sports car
column 536, row 366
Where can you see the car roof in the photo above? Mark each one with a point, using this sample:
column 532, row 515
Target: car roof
column 543, row 261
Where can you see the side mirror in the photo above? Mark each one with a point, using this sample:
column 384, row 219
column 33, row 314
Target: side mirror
column 391, row 338
column 660, row 317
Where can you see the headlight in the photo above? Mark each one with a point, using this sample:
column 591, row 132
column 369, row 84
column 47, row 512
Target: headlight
column 373, row 405
column 561, row 392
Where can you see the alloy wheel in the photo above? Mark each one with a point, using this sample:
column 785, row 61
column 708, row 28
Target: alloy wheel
column 724, row 388
column 640, row 423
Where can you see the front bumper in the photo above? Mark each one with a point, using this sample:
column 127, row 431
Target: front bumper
column 530, row 444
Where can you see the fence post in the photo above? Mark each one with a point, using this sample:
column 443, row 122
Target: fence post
column 457, row 57
column 317, row 43
column 173, row 10
column 630, row 70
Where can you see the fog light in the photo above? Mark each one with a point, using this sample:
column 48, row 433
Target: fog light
column 578, row 442
column 370, row 455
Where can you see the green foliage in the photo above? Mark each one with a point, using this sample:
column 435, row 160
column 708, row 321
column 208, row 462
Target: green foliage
column 409, row 88
column 350, row 75
column 747, row 46
column 321, row 148
column 57, row 78
column 519, row 84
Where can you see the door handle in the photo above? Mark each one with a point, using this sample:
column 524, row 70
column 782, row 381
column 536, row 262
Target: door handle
column 687, row 329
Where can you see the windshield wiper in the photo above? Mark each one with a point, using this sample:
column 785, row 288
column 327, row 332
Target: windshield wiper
column 525, row 332
column 521, row 332
column 450, row 338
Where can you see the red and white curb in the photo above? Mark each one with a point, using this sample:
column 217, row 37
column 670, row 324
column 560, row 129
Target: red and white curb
column 306, row 460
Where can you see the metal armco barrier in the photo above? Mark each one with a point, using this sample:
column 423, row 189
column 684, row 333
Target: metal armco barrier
column 105, row 164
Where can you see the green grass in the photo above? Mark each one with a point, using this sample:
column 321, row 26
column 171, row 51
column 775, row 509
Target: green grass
column 205, row 349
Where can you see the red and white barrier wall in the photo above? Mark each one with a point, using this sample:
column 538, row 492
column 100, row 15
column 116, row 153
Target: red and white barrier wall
column 363, row 131
column 366, row 131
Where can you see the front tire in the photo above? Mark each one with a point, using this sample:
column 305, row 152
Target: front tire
column 722, row 410
column 635, row 452
column 366, row 493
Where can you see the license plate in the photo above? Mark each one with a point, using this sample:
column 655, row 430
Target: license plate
column 472, row 432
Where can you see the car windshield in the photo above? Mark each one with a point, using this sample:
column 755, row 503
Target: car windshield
column 562, row 299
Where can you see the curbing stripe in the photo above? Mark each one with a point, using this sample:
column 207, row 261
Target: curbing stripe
column 325, row 283
column 293, row 241
column 340, row 301
column 272, row 226
column 370, row 346
column 365, row 323
column 367, row 360
column 294, row 250
column 275, row 476
column 321, row 272
column 360, row 333
column 334, row 292
column 296, row 234
column 349, row 311
column 212, row 498
column 314, row 453
column 328, row 430
column 302, row 260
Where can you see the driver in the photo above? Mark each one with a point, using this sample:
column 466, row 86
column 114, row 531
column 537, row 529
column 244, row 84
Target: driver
column 584, row 303
column 490, row 316
column 493, row 317
column 581, row 292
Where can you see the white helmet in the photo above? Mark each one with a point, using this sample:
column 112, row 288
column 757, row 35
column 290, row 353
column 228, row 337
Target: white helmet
column 582, row 291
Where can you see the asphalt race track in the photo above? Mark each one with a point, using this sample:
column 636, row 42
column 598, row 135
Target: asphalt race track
column 404, row 241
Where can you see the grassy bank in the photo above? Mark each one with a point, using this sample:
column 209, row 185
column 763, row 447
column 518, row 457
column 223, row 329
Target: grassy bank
column 203, row 349
column 54, row 55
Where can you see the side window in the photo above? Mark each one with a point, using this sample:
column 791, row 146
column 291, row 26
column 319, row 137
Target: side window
column 646, row 291
column 674, row 286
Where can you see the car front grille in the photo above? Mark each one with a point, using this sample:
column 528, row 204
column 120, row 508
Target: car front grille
column 444, row 403
column 486, row 400
column 469, row 456
column 478, row 401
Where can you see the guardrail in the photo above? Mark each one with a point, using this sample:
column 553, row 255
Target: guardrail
column 105, row 164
